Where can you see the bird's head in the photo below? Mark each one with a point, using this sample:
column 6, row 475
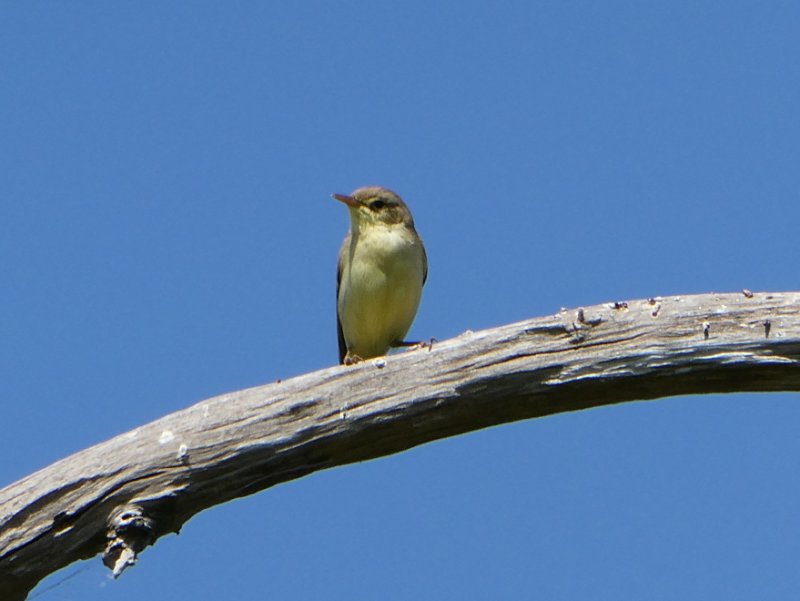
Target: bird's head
column 373, row 205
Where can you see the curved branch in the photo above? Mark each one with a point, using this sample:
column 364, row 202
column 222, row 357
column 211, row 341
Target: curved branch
column 121, row 495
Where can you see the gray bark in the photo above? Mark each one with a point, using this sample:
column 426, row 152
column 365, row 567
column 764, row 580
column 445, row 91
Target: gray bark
column 119, row 496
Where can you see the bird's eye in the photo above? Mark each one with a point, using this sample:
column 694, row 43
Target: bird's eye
column 377, row 204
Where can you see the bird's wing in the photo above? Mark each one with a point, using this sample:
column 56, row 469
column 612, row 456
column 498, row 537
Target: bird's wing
column 340, row 334
column 424, row 263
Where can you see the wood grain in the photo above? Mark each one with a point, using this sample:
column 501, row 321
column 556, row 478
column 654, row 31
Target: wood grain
column 136, row 487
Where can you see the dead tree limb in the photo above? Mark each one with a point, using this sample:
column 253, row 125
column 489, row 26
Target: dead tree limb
column 119, row 496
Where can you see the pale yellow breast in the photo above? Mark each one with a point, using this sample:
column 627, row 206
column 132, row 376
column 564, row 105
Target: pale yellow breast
column 380, row 289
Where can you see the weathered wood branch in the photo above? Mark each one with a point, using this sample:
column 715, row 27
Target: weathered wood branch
column 118, row 496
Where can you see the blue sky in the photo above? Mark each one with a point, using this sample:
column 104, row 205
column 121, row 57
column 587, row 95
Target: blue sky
column 166, row 235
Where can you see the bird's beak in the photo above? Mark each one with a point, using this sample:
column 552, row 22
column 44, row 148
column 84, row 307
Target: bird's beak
column 348, row 200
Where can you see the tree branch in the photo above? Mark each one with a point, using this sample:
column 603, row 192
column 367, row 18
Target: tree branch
column 119, row 496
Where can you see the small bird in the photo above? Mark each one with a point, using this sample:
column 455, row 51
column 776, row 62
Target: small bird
column 382, row 267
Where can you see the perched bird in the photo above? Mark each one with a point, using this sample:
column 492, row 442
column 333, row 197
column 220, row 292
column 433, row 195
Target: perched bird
column 382, row 267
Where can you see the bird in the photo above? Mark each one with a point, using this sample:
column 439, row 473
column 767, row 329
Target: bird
column 381, row 270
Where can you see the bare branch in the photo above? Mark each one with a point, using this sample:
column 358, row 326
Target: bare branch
column 119, row 496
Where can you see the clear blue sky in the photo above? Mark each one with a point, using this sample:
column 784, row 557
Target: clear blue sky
column 166, row 234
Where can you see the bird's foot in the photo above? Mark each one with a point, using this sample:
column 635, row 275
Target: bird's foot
column 428, row 344
column 352, row 359
column 414, row 345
